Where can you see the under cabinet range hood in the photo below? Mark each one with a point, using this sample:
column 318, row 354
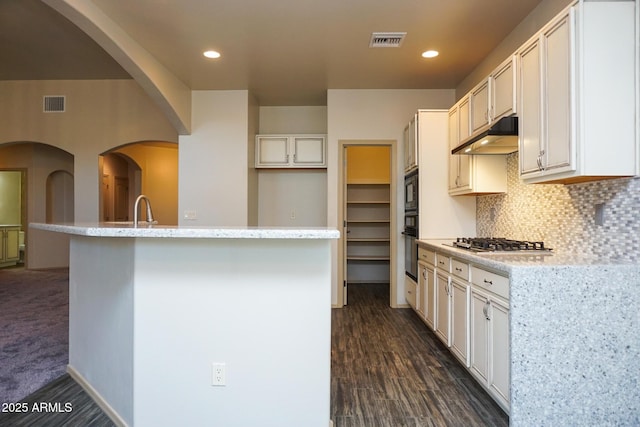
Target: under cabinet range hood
column 500, row 138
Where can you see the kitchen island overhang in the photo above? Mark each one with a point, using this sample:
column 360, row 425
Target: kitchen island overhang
column 151, row 309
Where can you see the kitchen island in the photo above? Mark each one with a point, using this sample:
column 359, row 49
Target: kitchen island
column 574, row 335
column 153, row 308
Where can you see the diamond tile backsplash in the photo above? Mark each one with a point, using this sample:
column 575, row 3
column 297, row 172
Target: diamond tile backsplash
column 563, row 216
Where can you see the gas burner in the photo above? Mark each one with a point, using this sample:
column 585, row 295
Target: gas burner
column 494, row 244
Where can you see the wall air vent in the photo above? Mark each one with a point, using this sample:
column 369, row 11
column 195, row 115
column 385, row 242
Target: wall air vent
column 53, row 104
column 386, row 39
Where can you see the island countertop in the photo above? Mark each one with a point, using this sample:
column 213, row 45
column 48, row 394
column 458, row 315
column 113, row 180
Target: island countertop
column 126, row 229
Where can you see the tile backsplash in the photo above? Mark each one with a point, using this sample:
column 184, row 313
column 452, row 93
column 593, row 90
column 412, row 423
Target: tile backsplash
column 563, row 216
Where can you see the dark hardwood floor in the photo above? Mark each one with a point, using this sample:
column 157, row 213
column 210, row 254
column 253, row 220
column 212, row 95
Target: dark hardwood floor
column 62, row 402
column 388, row 369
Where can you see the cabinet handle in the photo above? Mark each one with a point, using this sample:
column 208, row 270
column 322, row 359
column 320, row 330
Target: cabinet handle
column 485, row 310
column 424, row 274
column 459, row 269
column 488, row 282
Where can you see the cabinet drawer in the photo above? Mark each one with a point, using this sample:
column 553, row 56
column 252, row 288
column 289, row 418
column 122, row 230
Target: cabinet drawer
column 443, row 262
column 427, row 255
column 490, row 281
column 460, row 269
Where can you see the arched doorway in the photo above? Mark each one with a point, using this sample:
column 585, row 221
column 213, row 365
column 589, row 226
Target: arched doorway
column 149, row 168
column 48, row 196
column 59, row 198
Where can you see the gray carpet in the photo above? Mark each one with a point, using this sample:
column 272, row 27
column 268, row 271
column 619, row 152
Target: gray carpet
column 34, row 330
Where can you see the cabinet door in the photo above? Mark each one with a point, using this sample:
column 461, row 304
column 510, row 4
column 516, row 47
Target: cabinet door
column 13, row 244
column 464, row 119
column 499, row 350
column 480, row 106
column 410, row 292
column 479, row 336
column 530, row 108
column 503, row 90
column 442, row 308
column 453, row 143
column 272, row 151
column 309, row 151
column 405, row 141
column 430, row 297
column 420, row 295
column 556, row 100
column 411, row 145
column 460, row 320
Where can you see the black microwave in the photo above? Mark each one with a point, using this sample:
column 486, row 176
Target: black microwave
column 411, row 191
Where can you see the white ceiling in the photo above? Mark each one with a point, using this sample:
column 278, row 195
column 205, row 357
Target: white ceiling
column 286, row 52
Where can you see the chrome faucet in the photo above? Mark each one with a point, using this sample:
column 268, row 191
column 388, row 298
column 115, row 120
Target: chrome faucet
column 149, row 214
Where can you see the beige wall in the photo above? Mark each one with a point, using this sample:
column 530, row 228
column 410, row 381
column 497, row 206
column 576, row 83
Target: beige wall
column 100, row 115
column 214, row 183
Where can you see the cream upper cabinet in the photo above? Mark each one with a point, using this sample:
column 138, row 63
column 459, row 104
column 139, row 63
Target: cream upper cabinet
column 411, row 145
column 470, row 175
column 577, row 108
column 503, row 99
column 495, row 96
column 480, row 106
column 291, row 151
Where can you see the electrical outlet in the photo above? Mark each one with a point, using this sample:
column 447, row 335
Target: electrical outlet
column 293, row 214
column 219, row 374
column 190, row 215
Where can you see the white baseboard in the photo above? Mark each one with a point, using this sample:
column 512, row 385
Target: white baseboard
column 108, row 410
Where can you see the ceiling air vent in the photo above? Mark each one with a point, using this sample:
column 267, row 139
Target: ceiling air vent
column 386, row 39
column 53, row 104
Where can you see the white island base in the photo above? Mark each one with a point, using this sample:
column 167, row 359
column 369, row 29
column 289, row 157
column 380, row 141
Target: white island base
column 149, row 316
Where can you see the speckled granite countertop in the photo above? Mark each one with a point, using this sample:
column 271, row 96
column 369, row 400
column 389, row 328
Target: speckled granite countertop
column 574, row 337
column 106, row 229
column 507, row 262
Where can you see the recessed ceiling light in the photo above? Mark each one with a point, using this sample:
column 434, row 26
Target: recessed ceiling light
column 430, row 54
column 212, row 54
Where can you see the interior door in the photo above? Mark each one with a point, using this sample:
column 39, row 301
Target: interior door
column 121, row 199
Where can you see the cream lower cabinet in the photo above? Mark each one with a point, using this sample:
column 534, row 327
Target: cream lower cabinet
column 291, row 151
column 459, row 294
column 427, row 280
column 468, row 309
column 443, row 298
column 9, row 245
column 410, row 291
column 489, row 334
column 443, row 306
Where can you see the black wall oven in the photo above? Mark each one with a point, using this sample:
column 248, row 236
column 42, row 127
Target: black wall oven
column 411, row 192
column 411, row 224
column 410, row 246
